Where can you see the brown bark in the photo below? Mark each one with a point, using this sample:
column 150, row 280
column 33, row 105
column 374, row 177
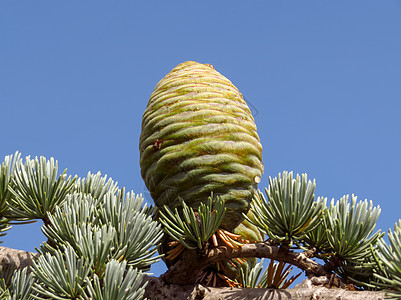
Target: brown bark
column 159, row 289
column 14, row 259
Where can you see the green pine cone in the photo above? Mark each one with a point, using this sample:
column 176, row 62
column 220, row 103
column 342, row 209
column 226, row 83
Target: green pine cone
column 198, row 136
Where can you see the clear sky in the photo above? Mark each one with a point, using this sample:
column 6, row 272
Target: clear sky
column 323, row 79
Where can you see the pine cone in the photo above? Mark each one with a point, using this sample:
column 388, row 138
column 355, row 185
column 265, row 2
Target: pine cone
column 198, row 137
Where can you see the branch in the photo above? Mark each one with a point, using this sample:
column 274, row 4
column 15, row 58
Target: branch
column 189, row 267
column 15, row 259
column 263, row 249
column 159, row 289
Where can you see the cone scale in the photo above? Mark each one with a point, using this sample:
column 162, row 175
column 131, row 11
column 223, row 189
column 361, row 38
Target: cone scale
column 198, row 137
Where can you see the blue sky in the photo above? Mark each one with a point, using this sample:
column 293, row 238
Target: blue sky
column 323, row 79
